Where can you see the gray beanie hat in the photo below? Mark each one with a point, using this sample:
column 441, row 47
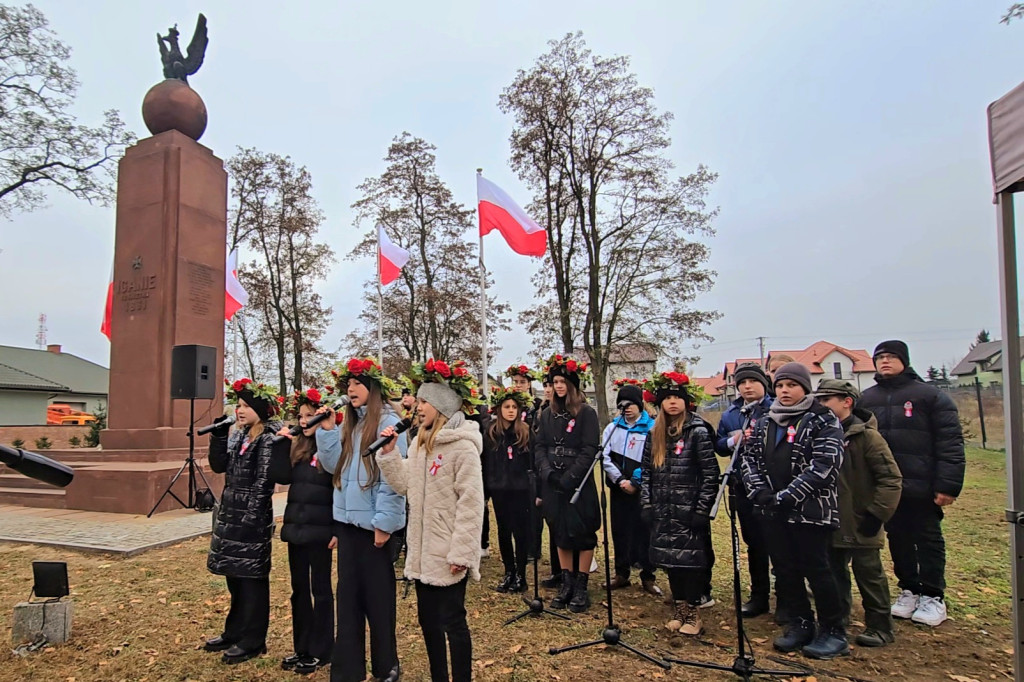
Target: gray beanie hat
column 794, row 371
column 447, row 401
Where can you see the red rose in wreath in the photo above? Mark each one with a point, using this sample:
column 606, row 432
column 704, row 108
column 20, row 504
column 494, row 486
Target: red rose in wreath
column 443, row 369
column 355, row 366
column 429, row 367
column 313, row 395
column 571, row 366
column 648, row 396
column 460, row 371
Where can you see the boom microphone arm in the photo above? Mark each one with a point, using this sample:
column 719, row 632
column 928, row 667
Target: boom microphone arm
column 36, row 466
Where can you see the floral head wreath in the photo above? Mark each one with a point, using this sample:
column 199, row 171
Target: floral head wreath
column 455, row 376
column 258, row 390
column 564, row 365
column 523, row 371
column 619, row 383
column 501, row 394
column 313, row 397
column 669, row 383
column 364, row 368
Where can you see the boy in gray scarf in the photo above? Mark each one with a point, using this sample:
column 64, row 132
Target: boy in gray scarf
column 790, row 466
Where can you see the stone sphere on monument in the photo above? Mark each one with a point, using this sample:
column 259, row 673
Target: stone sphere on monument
column 173, row 105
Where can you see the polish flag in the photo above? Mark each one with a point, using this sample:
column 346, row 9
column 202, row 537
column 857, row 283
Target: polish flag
column 391, row 258
column 235, row 297
column 498, row 210
column 108, row 311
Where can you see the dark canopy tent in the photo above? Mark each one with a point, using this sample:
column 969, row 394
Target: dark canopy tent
column 1006, row 147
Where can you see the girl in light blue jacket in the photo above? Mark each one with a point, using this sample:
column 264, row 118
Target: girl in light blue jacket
column 367, row 511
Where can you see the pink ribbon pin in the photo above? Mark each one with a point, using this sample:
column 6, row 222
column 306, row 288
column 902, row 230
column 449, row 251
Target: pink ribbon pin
column 790, row 434
column 510, row 452
column 570, row 426
column 435, row 465
column 908, row 409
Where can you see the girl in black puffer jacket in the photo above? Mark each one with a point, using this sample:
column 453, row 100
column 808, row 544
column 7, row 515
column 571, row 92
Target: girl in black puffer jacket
column 307, row 530
column 240, row 546
column 506, row 468
column 679, row 482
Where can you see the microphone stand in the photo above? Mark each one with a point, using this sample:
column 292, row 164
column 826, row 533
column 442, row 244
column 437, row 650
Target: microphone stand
column 536, row 604
column 612, row 633
column 744, row 665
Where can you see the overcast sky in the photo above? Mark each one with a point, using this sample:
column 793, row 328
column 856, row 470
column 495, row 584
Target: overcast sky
column 850, row 139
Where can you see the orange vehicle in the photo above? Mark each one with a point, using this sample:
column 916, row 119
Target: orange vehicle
column 63, row 414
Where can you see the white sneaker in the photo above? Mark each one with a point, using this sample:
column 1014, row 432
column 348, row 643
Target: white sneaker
column 930, row 611
column 485, row 552
column 906, row 604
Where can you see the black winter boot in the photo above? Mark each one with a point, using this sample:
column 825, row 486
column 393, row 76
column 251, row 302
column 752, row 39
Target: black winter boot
column 565, row 591
column 518, row 585
column 830, row 642
column 580, row 596
column 506, row 582
column 797, row 634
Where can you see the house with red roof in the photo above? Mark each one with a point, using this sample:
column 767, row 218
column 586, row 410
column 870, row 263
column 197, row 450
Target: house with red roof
column 824, row 360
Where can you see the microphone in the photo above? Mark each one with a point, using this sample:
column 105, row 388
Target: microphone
column 36, row 466
column 376, row 445
column 314, row 420
column 212, row 427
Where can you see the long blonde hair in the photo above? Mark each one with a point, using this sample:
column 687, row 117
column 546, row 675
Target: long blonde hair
column 665, row 426
column 255, row 431
column 425, row 437
column 368, row 425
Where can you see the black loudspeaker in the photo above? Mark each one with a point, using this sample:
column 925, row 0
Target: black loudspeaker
column 50, row 579
column 193, row 372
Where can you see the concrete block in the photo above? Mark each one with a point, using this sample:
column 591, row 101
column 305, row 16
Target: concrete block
column 53, row 619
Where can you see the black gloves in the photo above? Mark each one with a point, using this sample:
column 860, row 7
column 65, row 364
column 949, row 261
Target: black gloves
column 700, row 521
column 222, row 430
column 764, row 498
column 785, row 502
column 869, row 526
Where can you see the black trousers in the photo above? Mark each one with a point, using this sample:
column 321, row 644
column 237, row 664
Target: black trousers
column 512, row 514
column 630, row 536
column 801, row 551
column 249, row 614
column 442, row 615
column 366, row 594
column 312, row 600
column 917, row 547
column 485, row 531
column 687, row 584
column 752, row 531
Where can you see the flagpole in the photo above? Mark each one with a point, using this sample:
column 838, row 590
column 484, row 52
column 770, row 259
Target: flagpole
column 380, row 307
column 483, row 304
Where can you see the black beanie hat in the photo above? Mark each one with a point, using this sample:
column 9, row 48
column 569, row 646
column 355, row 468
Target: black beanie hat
column 260, row 406
column 794, row 371
column 750, row 370
column 630, row 394
column 896, row 347
column 561, row 371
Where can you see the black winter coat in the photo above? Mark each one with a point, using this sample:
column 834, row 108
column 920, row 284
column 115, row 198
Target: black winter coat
column 506, row 466
column 308, row 514
column 677, row 497
column 240, row 546
column 928, row 444
column 566, row 447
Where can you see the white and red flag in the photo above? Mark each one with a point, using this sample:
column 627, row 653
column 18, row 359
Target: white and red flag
column 235, row 296
column 499, row 211
column 391, row 258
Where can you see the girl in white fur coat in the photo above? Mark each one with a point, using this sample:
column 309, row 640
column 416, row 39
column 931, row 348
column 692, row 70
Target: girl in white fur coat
column 442, row 481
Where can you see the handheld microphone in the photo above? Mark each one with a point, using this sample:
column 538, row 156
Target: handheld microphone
column 36, row 466
column 215, row 425
column 376, row 445
column 314, row 420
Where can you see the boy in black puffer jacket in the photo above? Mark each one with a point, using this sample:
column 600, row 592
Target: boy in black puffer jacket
column 790, row 467
column 307, row 530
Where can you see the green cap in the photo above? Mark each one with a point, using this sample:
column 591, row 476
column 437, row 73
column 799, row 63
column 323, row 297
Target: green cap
column 838, row 387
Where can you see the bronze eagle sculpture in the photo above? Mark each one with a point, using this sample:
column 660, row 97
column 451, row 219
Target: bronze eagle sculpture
column 177, row 65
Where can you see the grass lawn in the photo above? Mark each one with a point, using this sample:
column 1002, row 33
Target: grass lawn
column 144, row 618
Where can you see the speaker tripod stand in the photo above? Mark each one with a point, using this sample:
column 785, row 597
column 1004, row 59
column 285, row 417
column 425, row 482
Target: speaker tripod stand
column 190, row 464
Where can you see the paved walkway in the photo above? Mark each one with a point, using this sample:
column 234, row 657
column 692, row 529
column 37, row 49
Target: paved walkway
column 124, row 534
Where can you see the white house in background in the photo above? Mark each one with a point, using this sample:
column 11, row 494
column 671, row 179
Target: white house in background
column 625, row 361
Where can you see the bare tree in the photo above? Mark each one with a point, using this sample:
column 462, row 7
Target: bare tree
column 433, row 308
column 591, row 144
column 275, row 215
column 42, row 145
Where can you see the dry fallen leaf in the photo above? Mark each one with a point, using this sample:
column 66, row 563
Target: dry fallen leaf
column 516, row 649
